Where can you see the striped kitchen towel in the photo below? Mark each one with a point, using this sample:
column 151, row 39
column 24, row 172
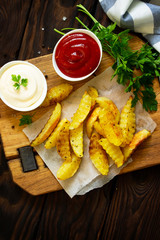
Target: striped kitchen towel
column 139, row 16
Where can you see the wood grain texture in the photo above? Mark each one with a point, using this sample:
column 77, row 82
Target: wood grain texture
column 126, row 208
column 134, row 201
column 12, row 27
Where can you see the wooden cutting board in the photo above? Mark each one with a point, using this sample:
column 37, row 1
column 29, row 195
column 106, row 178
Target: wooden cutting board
column 42, row 181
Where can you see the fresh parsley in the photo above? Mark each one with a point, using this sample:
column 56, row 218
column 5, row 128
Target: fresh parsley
column 25, row 119
column 18, row 81
column 146, row 60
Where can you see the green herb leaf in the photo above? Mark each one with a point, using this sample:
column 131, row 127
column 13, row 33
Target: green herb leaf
column 16, row 85
column 25, row 119
column 18, row 81
column 15, row 78
column 126, row 60
column 24, row 82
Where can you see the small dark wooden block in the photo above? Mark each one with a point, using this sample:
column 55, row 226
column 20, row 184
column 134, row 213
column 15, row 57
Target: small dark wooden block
column 27, row 158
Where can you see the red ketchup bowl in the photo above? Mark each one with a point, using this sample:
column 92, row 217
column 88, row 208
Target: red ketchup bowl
column 77, row 55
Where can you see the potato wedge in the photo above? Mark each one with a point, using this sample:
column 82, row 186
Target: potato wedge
column 69, row 168
column 76, row 140
column 98, row 128
column 62, row 142
column 82, row 111
column 57, row 94
column 128, row 122
column 91, row 120
column 113, row 151
column 138, row 138
column 105, row 102
column 51, row 141
column 49, row 126
column 111, row 129
column 94, row 94
column 98, row 155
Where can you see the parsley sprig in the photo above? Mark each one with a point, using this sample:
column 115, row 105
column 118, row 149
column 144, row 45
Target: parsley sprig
column 25, row 119
column 126, row 61
column 18, row 81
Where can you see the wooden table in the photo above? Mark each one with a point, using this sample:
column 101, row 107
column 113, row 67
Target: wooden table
column 126, row 208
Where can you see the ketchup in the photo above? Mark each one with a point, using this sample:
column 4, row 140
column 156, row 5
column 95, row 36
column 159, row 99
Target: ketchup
column 77, row 55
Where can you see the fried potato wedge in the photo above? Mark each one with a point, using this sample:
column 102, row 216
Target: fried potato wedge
column 82, row 111
column 69, row 168
column 138, row 138
column 98, row 155
column 49, row 126
column 91, row 120
column 98, row 128
column 51, row 141
column 111, row 129
column 94, row 94
column 76, row 140
column 62, row 142
column 57, row 94
column 113, row 151
column 105, row 102
column 128, row 122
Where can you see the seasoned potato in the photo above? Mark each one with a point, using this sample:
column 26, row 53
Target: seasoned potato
column 94, row 94
column 105, row 102
column 111, row 129
column 82, row 111
column 76, row 140
column 128, row 122
column 98, row 128
column 69, row 168
column 113, row 151
column 98, row 155
column 57, row 94
column 136, row 141
column 49, row 127
column 91, row 120
column 62, row 143
column 51, row 141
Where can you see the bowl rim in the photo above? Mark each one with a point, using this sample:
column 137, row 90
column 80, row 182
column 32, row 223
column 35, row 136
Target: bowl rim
column 42, row 97
column 58, row 71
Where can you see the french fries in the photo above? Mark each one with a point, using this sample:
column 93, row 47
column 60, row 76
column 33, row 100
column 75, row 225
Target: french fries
column 94, row 94
column 98, row 128
column 111, row 129
column 57, row 94
column 62, row 142
column 105, row 102
column 76, row 140
column 113, row 151
column 110, row 133
column 91, row 120
column 98, row 155
column 51, row 141
column 138, row 138
column 127, row 122
column 82, row 111
column 49, row 127
column 69, row 168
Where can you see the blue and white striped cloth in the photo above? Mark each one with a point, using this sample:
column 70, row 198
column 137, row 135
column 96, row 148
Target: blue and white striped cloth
column 139, row 16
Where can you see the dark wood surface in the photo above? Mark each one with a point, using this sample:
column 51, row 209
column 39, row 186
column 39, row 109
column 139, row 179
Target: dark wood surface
column 126, row 208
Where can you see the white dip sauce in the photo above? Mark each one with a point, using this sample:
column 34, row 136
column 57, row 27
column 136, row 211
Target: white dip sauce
column 24, row 96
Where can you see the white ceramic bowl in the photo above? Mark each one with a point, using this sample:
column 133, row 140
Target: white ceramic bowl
column 43, row 86
column 59, row 72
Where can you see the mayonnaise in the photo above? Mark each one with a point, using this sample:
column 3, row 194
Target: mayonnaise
column 25, row 96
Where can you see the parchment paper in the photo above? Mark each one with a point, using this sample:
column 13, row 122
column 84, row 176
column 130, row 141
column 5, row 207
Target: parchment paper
column 87, row 177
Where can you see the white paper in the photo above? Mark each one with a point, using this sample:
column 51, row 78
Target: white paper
column 87, row 177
